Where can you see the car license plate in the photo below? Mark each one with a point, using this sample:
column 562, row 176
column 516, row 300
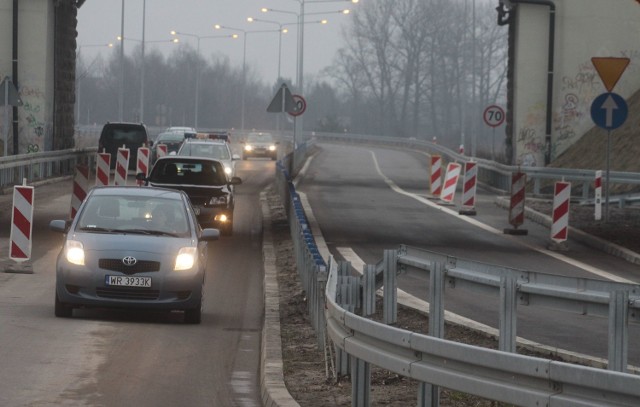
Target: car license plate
column 127, row 281
column 196, row 209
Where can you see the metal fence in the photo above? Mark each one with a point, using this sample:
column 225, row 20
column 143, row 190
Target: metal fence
column 500, row 375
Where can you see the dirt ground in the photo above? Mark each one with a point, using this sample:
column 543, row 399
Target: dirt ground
column 308, row 371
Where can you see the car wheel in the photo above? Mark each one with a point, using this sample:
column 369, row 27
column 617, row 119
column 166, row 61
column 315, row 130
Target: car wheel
column 244, row 157
column 62, row 310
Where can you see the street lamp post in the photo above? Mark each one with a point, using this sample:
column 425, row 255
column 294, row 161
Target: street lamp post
column 86, row 72
column 142, row 65
column 197, row 90
column 244, row 62
column 121, row 90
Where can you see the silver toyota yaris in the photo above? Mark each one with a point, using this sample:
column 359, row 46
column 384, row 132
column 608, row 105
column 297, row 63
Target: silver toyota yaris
column 132, row 247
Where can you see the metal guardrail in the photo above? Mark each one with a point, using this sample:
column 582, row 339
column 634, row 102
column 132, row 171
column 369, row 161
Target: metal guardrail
column 500, row 375
column 39, row 166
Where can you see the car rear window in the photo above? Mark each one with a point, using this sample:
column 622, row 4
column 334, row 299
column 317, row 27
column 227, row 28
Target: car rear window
column 188, row 172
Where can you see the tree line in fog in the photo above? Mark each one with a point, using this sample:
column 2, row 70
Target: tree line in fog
column 408, row 68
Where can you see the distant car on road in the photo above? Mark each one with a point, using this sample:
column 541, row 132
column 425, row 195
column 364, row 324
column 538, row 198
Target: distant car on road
column 132, row 247
column 211, row 148
column 172, row 139
column 260, row 145
column 204, row 181
column 130, row 135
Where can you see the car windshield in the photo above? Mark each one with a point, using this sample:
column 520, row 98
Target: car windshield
column 217, row 151
column 133, row 214
column 260, row 138
column 126, row 135
column 190, row 172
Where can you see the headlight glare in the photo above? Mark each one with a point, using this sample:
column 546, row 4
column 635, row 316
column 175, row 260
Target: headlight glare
column 272, row 148
column 227, row 170
column 186, row 258
column 248, row 148
column 74, row 252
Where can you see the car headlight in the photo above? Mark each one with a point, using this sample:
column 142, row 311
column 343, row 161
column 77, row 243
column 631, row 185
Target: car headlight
column 186, row 258
column 272, row 148
column 74, row 252
column 227, row 170
column 218, row 200
column 248, row 148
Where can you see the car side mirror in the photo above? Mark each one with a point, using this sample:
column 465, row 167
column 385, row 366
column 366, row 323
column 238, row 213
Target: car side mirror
column 235, row 181
column 60, row 225
column 235, row 157
column 141, row 177
column 209, row 234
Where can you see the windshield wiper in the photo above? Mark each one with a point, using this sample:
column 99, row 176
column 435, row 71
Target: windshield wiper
column 146, row 232
column 96, row 229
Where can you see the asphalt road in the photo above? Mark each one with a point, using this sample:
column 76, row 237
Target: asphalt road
column 114, row 358
column 368, row 199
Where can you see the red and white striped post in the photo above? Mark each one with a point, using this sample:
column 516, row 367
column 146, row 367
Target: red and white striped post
column 103, row 166
column 80, row 188
column 142, row 165
column 450, row 182
column 122, row 167
column 436, row 175
column 21, row 223
column 162, row 150
column 598, row 195
column 560, row 218
column 516, row 206
column 469, row 188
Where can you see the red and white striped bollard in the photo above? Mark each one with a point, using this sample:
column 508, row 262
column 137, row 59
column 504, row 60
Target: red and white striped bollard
column 469, row 188
column 103, row 167
column 450, row 182
column 598, row 195
column 560, row 215
column 436, row 175
column 80, row 188
column 21, row 223
column 516, row 205
column 122, row 167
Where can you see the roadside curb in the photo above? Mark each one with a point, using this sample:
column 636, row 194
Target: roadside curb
column 272, row 387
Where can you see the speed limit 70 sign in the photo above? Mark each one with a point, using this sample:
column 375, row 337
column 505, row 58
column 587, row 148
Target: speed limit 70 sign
column 493, row 116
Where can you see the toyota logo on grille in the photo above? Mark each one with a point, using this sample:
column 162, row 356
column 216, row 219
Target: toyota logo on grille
column 129, row 261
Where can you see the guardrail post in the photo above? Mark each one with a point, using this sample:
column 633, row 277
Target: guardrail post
column 428, row 395
column 360, row 382
column 390, row 286
column 368, row 290
column 508, row 314
column 436, row 306
column 618, row 330
column 320, row 305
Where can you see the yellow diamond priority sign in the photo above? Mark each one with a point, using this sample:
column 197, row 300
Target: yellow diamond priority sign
column 610, row 70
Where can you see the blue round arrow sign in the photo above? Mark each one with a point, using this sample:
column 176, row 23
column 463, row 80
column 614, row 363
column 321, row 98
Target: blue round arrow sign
column 609, row 111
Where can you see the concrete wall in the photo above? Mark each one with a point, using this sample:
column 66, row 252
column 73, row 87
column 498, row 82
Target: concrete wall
column 35, row 70
column 583, row 29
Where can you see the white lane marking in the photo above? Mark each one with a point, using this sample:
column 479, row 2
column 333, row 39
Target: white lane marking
column 557, row 256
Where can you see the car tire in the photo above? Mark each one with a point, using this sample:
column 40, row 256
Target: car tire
column 244, row 157
column 62, row 310
column 193, row 315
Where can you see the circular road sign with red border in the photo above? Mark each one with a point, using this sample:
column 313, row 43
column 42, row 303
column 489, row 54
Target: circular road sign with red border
column 300, row 105
column 493, row 116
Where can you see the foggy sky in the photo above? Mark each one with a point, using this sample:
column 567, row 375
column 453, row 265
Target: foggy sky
column 99, row 22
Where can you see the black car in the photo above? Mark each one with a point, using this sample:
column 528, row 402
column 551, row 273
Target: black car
column 129, row 135
column 205, row 183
